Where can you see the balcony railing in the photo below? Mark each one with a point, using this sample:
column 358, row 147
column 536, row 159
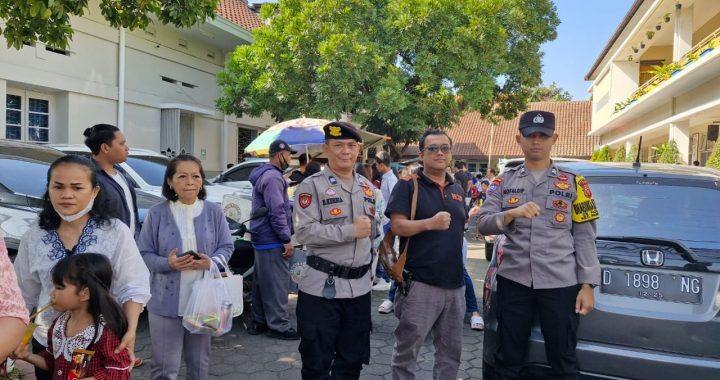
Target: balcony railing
column 665, row 72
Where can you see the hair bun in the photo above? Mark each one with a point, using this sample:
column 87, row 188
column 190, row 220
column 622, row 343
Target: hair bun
column 88, row 132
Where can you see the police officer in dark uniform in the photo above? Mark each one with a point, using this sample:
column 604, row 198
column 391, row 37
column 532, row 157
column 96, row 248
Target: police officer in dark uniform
column 333, row 215
column 549, row 263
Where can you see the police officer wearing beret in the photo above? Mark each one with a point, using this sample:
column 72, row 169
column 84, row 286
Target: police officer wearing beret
column 549, row 263
column 333, row 217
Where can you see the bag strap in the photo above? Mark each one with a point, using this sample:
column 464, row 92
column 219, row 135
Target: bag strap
column 413, row 208
column 220, row 259
column 399, row 266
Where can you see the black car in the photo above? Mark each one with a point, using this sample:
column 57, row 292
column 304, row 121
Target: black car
column 657, row 309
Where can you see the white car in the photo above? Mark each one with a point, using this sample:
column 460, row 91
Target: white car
column 23, row 173
column 147, row 169
column 238, row 176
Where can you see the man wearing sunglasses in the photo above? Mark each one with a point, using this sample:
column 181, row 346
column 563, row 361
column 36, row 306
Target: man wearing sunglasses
column 435, row 299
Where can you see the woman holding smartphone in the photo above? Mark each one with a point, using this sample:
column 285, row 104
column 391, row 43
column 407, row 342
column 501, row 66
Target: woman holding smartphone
column 178, row 240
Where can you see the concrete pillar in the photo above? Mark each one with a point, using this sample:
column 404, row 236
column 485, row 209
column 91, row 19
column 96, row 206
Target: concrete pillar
column 628, row 148
column 3, row 101
column 680, row 132
column 682, row 38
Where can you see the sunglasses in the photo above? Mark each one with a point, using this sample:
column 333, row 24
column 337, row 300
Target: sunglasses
column 434, row 149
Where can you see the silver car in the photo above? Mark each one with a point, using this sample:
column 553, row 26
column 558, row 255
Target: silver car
column 657, row 308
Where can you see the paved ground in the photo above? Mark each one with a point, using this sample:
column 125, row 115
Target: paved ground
column 238, row 355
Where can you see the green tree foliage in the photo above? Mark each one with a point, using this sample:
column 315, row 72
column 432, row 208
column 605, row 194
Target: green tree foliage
column 668, row 153
column 714, row 159
column 395, row 66
column 619, row 155
column 630, row 157
column 551, row 93
column 602, row 155
column 48, row 21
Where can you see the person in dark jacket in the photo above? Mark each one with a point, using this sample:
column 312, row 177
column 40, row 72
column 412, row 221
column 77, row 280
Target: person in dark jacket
column 109, row 149
column 271, row 240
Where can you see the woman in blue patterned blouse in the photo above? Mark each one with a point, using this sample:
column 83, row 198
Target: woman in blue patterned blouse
column 74, row 221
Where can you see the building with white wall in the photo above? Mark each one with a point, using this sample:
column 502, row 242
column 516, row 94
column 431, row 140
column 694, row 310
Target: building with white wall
column 659, row 77
column 159, row 85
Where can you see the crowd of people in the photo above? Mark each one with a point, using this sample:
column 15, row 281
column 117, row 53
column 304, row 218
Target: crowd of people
column 88, row 269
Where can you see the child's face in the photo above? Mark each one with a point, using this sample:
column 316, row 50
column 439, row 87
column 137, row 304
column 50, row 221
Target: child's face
column 68, row 297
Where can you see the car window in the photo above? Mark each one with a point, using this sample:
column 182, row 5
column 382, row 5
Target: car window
column 684, row 210
column 240, row 174
column 150, row 169
column 23, row 177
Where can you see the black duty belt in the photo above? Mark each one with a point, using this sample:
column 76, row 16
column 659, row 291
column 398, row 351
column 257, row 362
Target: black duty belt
column 349, row 273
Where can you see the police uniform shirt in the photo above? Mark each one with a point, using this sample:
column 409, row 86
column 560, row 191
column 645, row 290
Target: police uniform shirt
column 434, row 257
column 323, row 216
column 553, row 250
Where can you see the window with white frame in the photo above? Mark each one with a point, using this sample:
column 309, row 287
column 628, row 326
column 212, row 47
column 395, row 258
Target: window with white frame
column 27, row 116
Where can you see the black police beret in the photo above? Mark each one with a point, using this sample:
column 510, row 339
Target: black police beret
column 537, row 121
column 340, row 130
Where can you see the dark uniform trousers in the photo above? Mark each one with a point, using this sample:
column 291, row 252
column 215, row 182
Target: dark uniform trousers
column 517, row 305
column 336, row 329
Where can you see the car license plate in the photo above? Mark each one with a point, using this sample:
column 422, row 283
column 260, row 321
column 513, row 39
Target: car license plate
column 669, row 287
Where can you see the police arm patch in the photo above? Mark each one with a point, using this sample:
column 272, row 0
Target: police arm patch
column 305, row 200
column 583, row 208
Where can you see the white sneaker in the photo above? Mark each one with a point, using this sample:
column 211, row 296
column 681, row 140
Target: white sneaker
column 386, row 307
column 381, row 286
column 477, row 323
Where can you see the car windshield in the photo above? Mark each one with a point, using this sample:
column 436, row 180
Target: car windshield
column 16, row 175
column 684, row 210
column 151, row 169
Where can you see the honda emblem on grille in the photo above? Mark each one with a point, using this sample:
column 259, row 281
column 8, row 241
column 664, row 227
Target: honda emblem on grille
column 652, row 258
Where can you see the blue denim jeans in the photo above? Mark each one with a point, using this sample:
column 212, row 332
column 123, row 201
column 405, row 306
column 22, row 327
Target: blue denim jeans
column 470, row 300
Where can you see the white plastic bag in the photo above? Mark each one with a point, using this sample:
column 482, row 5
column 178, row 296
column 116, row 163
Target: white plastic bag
column 234, row 284
column 209, row 309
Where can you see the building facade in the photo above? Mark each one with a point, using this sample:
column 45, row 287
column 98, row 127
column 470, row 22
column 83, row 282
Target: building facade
column 158, row 85
column 659, row 77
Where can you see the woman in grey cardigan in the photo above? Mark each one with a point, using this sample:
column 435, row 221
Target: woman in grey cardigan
column 178, row 241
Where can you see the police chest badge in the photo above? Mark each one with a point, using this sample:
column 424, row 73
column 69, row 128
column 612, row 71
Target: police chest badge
column 583, row 208
column 368, row 191
column 562, row 185
column 305, row 200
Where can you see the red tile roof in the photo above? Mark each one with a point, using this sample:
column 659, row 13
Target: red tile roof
column 238, row 12
column 471, row 137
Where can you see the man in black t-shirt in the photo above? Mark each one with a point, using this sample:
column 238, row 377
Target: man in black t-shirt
column 436, row 297
column 463, row 177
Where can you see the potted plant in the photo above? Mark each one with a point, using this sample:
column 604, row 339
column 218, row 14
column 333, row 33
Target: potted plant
column 667, row 17
column 692, row 57
column 658, row 27
column 710, row 46
column 650, row 34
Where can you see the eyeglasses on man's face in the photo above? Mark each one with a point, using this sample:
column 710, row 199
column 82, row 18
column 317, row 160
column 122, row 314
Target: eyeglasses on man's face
column 434, row 149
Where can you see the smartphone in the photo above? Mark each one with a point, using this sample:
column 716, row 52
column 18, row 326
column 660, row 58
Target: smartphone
column 193, row 253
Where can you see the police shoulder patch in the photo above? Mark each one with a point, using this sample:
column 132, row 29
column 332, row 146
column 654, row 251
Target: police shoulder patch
column 583, row 207
column 305, row 200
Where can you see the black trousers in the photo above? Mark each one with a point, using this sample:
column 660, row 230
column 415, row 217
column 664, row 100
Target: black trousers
column 40, row 374
column 517, row 305
column 334, row 336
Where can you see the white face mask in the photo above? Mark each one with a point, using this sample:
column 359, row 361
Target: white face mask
column 79, row 214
